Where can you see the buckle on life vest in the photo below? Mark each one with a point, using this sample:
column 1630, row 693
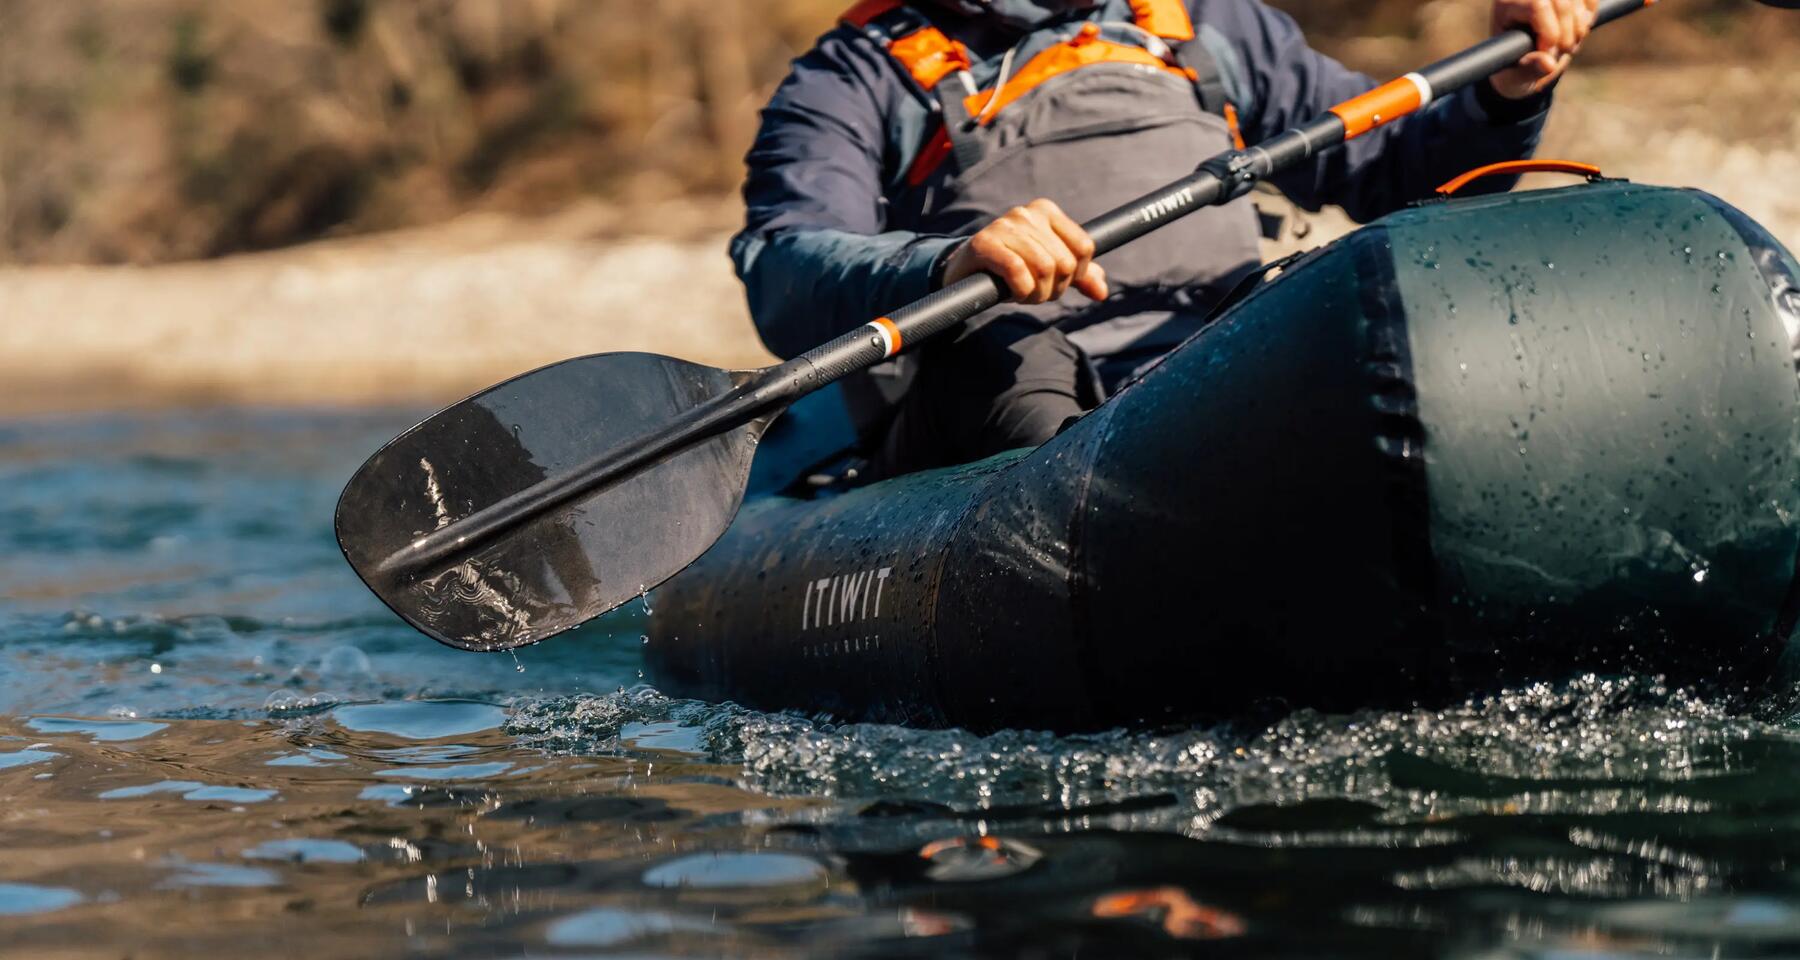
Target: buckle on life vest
column 1167, row 19
column 930, row 56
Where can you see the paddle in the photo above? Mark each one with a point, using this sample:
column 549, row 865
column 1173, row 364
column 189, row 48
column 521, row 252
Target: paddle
column 561, row 494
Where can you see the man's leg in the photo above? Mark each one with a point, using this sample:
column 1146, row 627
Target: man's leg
column 1002, row 383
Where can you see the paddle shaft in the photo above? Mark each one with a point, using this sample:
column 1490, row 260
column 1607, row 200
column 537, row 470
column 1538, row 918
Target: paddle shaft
column 766, row 392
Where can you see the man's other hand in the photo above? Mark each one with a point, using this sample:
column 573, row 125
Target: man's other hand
column 1560, row 27
column 1036, row 250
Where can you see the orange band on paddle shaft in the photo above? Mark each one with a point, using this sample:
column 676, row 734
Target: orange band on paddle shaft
column 1384, row 104
column 890, row 333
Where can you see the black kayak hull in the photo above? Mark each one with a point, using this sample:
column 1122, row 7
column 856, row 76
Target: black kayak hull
column 1473, row 444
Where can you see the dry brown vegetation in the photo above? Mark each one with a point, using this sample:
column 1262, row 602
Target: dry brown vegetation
column 153, row 130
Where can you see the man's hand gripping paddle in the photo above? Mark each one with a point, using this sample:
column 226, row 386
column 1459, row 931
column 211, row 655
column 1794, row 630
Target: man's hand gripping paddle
column 561, row 494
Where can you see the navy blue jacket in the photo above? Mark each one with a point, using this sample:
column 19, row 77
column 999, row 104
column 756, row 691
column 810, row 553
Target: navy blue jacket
column 817, row 257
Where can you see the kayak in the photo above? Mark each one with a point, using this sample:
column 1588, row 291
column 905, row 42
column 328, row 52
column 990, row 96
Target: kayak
column 1476, row 443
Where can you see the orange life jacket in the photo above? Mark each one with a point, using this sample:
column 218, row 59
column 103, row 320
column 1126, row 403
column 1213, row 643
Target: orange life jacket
column 927, row 55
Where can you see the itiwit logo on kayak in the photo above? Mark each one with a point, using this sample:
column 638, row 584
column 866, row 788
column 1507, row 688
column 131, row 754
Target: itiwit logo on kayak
column 844, row 598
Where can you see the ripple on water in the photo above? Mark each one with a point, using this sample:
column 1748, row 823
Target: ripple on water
column 219, row 875
column 724, row 871
column 420, row 719
column 22, row 898
column 306, row 850
column 311, row 757
column 391, row 794
column 673, row 737
column 107, row 730
column 459, row 771
column 20, row 758
column 609, row 926
column 191, row 790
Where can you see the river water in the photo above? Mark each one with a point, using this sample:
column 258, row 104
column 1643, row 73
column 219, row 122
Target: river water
column 214, row 742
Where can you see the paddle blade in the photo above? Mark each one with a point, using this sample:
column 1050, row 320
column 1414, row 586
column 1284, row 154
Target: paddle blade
column 574, row 561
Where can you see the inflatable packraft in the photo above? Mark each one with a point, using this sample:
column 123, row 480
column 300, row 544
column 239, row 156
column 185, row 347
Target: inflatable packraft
column 1478, row 442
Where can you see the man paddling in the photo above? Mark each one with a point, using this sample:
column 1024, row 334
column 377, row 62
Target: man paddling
column 919, row 143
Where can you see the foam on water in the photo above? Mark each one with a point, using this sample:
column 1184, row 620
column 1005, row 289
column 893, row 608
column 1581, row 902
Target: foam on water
column 1590, row 730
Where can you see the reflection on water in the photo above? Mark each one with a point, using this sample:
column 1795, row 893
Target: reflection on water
column 26, row 898
column 212, row 740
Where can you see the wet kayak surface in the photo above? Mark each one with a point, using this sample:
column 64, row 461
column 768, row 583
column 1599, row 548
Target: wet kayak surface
column 213, row 740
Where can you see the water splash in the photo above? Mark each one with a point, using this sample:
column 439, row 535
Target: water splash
column 1591, row 727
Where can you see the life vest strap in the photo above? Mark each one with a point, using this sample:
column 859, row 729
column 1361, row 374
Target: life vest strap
column 926, row 53
column 1085, row 49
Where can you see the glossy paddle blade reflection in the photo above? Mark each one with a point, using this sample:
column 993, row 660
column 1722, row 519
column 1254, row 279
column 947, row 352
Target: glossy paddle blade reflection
column 576, row 560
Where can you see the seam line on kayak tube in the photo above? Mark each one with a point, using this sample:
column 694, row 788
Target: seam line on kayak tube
column 934, row 657
column 1081, row 630
column 1400, row 440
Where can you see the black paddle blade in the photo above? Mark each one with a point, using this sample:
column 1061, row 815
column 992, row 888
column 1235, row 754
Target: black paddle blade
column 576, row 560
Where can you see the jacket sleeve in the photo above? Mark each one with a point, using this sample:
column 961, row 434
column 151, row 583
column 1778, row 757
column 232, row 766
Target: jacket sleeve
column 814, row 256
column 1287, row 83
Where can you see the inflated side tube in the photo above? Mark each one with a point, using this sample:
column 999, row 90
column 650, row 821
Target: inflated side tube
column 1475, row 443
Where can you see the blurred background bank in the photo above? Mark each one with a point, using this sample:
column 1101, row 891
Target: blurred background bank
column 393, row 202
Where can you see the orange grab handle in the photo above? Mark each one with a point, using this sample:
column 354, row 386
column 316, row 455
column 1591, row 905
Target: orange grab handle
column 1587, row 170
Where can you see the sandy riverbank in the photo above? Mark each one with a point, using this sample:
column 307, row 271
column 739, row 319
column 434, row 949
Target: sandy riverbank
column 420, row 316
